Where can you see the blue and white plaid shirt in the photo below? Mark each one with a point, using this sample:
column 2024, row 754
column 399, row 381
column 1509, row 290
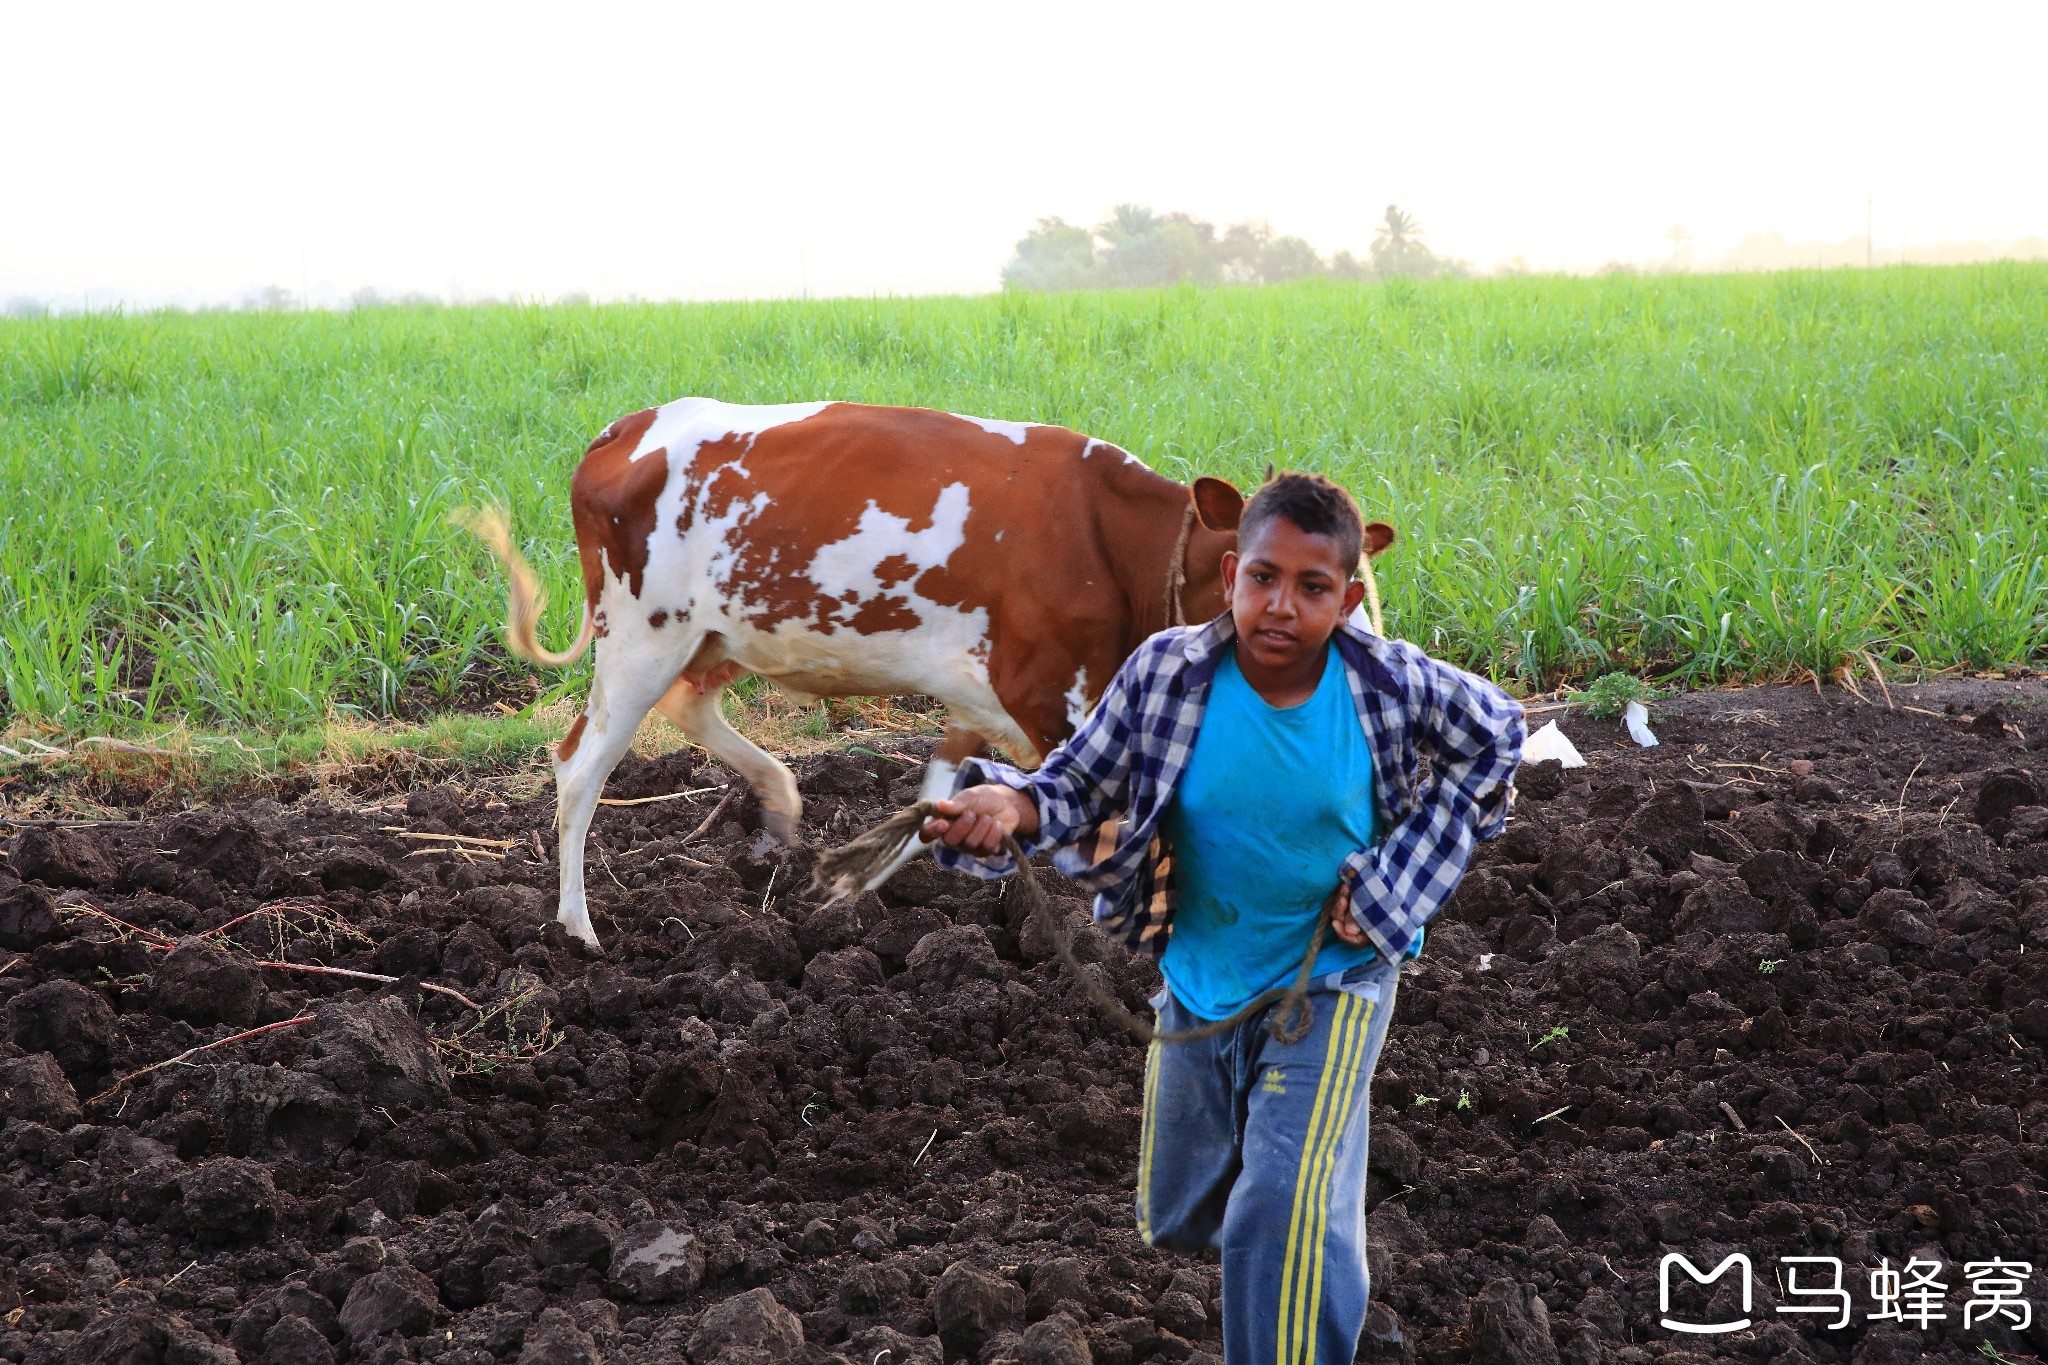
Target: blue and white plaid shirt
column 1445, row 745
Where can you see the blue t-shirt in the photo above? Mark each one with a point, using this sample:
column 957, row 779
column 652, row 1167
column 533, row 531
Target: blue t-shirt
column 1271, row 804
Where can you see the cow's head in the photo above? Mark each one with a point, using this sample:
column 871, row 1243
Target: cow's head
column 1218, row 508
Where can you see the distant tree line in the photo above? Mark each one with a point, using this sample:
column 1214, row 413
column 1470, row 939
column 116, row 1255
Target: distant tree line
column 275, row 298
column 1135, row 247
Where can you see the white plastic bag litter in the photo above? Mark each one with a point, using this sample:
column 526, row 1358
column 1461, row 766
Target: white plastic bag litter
column 1638, row 721
column 1549, row 743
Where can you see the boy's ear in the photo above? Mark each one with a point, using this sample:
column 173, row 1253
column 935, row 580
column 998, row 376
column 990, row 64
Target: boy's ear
column 1218, row 503
column 1378, row 536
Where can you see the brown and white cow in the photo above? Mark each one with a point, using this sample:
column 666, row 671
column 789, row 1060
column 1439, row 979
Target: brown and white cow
column 839, row 549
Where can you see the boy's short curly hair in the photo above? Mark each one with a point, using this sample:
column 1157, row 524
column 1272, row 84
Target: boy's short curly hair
column 1312, row 503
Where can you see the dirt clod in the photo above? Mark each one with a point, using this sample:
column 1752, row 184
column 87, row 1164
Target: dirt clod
column 657, row 1263
column 28, row 917
column 1056, row 1340
column 35, row 1088
column 229, row 1200
column 1511, row 1326
column 378, row 1053
column 575, row 1239
column 556, row 1339
column 202, row 983
column 57, row 856
column 397, row 1299
column 745, row 1328
column 72, row 1023
column 970, row 1305
column 296, row 1341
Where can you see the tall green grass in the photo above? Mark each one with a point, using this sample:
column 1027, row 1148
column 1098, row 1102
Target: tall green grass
column 240, row 520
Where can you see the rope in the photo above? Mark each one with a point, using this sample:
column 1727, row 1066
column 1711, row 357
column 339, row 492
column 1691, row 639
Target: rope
column 1177, row 568
column 845, row 870
column 1372, row 595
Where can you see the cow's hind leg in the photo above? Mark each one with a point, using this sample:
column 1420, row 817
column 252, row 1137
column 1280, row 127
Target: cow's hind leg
column 956, row 748
column 620, row 697
column 696, row 714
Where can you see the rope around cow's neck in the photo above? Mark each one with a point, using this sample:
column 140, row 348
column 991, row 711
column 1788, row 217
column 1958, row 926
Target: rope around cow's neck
column 1372, row 595
column 1177, row 568
column 846, row 869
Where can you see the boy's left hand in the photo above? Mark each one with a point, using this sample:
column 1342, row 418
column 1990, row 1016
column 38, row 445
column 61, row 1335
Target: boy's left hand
column 1338, row 909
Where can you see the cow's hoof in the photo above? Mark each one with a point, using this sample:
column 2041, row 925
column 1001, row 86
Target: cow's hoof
column 582, row 933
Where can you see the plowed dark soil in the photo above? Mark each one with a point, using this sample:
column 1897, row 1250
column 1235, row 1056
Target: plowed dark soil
column 1776, row 986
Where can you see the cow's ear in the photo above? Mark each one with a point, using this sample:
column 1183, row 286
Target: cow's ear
column 1218, row 503
column 1378, row 536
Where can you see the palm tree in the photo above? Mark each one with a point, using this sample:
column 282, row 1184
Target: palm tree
column 1398, row 247
column 1397, row 231
column 1128, row 223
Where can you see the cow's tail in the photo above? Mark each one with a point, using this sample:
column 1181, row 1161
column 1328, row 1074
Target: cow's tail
column 524, row 601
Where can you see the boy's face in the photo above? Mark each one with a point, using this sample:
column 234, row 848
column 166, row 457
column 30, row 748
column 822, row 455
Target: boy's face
column 1287, row 588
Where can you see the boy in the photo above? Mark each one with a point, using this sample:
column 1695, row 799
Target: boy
column 1236, row 782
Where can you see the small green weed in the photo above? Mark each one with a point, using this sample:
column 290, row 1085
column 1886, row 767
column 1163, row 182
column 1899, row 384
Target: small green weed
column 1991, row 1352
column 1558, row 1033
column 1608, row 695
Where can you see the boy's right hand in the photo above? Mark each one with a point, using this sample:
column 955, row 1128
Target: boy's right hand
column 976, row 819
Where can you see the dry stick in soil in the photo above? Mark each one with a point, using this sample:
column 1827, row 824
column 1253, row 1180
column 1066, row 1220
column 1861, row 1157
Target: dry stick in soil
column 731, row 795
column 122, row 1083
column 353, row 975
column 449, row 838
column 843, row 871
column 650, row 800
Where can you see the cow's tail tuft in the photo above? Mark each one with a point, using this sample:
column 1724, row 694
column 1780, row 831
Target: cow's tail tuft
column 524, row 601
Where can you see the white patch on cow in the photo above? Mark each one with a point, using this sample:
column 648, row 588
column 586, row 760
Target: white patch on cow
column 1077, row 699
column 686, row 424
column 995, row 426
column 848, row 569
column 724, row 546
column 944, row 655
column 1089, row 449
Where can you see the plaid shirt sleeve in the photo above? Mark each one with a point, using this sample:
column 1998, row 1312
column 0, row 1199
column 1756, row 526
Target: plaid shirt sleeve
column 1476, row 729
column 1083, row 784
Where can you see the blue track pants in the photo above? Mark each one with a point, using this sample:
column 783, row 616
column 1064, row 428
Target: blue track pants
column 1258, row 1148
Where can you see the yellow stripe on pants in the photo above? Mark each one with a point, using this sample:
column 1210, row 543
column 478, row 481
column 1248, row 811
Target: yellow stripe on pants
column 1322, row 1159
column 1291, row 1294
column 1151, row 1127
column 1322, row 1199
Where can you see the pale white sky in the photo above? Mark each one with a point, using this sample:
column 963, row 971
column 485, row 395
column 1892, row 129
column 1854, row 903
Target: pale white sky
column 193, row 152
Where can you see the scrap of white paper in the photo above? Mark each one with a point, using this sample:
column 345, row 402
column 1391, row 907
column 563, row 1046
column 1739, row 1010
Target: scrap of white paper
column 1549, row 743
column 1638, row 721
